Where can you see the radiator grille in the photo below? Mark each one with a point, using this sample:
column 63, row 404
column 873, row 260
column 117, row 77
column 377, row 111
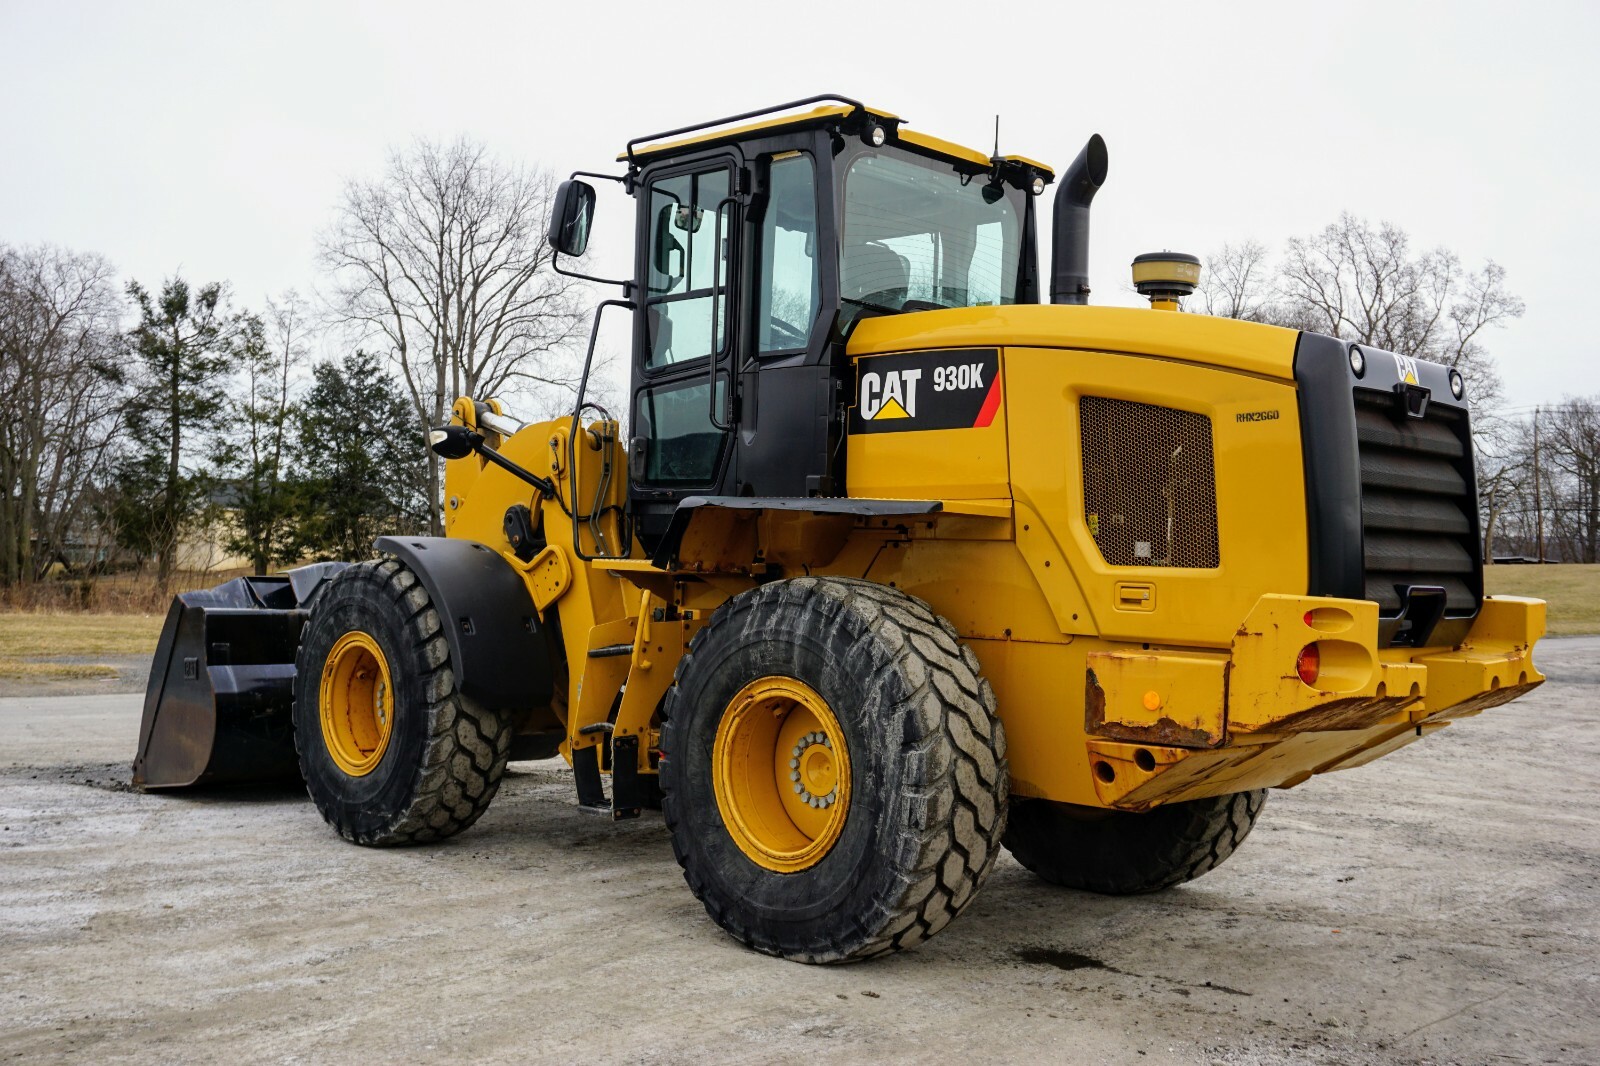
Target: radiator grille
column 1149, row 483
column 1416, row 504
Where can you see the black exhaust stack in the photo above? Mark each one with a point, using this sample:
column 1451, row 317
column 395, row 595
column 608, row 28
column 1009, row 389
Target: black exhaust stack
column 1069, row 248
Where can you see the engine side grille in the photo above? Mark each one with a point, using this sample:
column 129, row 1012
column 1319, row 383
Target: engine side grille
column 1416, row 505
column 1149, row 483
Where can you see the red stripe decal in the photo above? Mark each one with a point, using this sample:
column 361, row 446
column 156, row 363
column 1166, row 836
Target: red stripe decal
column 991, row 404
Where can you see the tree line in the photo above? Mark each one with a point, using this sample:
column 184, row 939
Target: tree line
column 1538, row 469
column 133, row 417
column 119, row 441
column 134, row 420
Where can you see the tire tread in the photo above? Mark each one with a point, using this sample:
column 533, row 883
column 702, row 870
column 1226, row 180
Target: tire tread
column 466, row 751
column 1128, row 854
column 956, row 822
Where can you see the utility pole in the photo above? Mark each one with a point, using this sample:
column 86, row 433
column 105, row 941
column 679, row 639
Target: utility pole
column 1538, row 508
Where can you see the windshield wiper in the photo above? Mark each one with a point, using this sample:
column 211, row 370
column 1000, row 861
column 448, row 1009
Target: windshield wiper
column 870, row 306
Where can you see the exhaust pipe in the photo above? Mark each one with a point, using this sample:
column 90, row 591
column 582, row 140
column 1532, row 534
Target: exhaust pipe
column 1069, row 246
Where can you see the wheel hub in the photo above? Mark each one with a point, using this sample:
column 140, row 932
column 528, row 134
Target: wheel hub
column 814, row 776
column 356, row 703
column 781, row 772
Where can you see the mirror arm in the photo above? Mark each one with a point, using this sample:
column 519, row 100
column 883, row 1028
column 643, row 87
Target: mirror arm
column 457, row 442
column 555, row 264
column 555, row 256
column 544, row 485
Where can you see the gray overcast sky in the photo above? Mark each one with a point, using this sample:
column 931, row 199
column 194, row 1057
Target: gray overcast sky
column 213, row 138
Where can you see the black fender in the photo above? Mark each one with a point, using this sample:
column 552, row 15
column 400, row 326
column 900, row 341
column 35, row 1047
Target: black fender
column 666, row 554
column 500, row 657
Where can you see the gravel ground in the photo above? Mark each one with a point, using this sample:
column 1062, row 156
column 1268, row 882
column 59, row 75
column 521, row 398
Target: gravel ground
column 1439, row 905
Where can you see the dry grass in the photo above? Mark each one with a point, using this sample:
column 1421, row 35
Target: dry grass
column 34, row 635
column 1571, row 589
column 113, row 594
column 21, row 670
column 33, row 643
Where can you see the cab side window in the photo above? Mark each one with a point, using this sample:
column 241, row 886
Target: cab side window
column 788, row 272
column 686, row 267
column 681, row 445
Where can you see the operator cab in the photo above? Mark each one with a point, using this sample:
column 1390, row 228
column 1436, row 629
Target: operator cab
column 758, row 247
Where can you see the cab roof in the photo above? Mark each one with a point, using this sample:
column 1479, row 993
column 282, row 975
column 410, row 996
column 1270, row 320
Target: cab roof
column 785, row 116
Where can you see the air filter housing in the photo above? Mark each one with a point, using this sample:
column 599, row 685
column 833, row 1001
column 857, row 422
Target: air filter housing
column 1166, row 277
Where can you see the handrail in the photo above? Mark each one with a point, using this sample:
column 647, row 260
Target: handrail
column 711, row 362
column 823, row 99
column 572, row 439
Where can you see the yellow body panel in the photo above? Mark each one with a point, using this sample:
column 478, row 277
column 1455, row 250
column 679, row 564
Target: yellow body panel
column 1244, row 347
column 1260, row 487
column 901, row 466
column 940, row 146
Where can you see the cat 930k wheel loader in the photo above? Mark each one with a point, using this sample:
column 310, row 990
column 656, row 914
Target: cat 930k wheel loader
column 898, row 565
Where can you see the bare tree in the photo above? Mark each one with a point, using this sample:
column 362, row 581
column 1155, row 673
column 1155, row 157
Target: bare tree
column 442, row 263
column 1365, row 283
column 1504, row 468
column 1239, row 282
column 59, row 389
column 1573, row 448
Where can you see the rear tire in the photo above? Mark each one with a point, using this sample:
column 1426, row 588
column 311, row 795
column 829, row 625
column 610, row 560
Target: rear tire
column 911, row 781
column 1120, row 853
column 431, row 770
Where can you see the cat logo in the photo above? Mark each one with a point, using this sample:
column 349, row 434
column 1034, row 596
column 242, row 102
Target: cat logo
column 891, row 394
column 918, row 391
column 1406, row 367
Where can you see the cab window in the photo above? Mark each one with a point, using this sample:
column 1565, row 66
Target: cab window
column 685, row 266
column 681, row 445
column 918, row 233
column 789, row 287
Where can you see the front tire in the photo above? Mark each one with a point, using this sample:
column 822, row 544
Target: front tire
column 1120, row 853
column 834, row 773
column 391, row 753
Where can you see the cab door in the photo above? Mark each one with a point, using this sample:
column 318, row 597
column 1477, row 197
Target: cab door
column 685, row 332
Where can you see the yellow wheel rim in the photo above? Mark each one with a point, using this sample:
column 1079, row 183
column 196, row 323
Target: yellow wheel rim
column 357, row 703
column 781, row 772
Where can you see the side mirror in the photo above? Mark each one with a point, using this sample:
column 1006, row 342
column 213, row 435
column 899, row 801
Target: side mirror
column 570, row 217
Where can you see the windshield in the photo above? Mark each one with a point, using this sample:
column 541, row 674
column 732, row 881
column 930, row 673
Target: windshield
column 918, row 235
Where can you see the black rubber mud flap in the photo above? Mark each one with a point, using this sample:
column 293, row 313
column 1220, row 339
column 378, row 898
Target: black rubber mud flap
column 586, row 774
column 627, row 792
column 217, row 705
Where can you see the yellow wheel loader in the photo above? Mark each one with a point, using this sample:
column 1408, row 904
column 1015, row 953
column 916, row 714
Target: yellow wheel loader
column 898, row 564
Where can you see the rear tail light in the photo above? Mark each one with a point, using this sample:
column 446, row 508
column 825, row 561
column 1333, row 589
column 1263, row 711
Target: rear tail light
column 1309, row 664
